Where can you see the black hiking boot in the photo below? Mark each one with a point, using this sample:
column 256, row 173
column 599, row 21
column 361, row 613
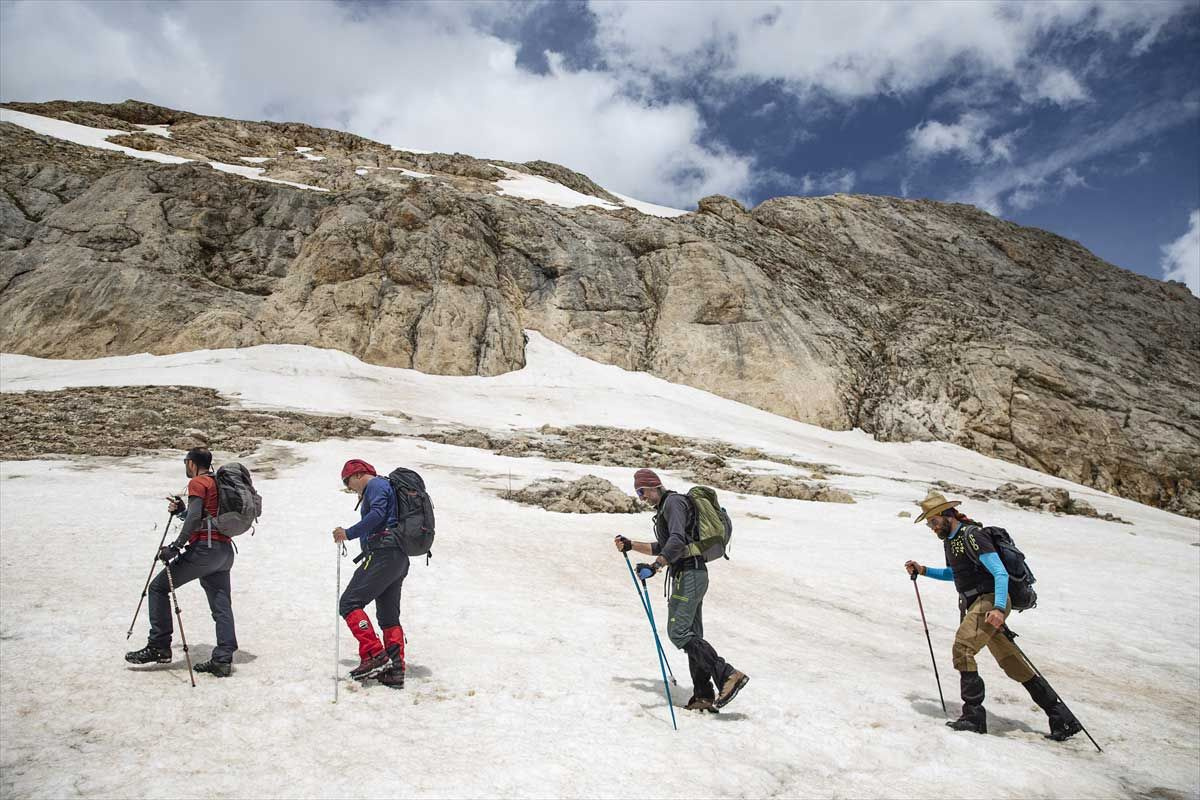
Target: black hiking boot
column 149, row 655
column 729, row 690
column 393, row 676
column 218, row 669
column 1063, row 724
column 701, row 704
column 973, row 718
column 370, row 665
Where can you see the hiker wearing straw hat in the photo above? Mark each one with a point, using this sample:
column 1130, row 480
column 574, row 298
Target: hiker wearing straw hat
column 982, row 582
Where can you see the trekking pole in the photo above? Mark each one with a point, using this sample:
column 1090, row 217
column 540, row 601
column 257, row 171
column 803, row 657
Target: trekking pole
column 936, row 677
column 662, row 659
column 179, row 619
column 643, row 601
column 337, row 620
column 1012, row 636
column 146, row 588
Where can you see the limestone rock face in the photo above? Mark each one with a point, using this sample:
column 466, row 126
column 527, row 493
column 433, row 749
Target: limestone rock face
column 913, row 320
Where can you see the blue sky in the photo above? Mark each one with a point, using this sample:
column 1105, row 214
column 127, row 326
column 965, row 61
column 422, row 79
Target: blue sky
column 1079, row 117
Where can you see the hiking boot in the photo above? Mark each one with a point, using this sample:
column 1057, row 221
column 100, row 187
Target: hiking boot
column 729, row 690
column 218, row 669
column 370, row 665
column 701, row 704
column 1060, row 731
column 149, row 655
column 1063, row 724
column 392, row 676
column 973, row 719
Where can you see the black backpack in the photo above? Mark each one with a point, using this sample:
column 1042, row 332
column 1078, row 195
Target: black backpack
column 415, row 511
column 1020, row 576
column 238, row 503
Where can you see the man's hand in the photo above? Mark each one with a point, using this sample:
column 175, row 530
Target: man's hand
column 174, row 504
column 339, row 534
column 914, row 568
column 995, row 618
column 647, row 571
column 167, row 553
column 623, row 544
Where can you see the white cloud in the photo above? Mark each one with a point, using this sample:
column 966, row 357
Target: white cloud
column 967, row 138
column 1059, row 86
column 1071, row 179
column 415, row 76
column 1021, row 185
column 855, row 50
column 838, row 180
column 1181, row 258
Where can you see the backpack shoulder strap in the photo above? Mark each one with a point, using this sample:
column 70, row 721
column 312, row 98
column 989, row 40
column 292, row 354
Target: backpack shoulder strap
column 967, row 532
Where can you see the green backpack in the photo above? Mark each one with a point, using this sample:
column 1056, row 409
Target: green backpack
column 714, row 529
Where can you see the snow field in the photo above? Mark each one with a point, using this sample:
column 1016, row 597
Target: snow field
column 532, row 669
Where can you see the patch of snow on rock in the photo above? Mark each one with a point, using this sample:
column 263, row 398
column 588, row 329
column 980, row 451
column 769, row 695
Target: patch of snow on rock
column 256, row 174
column 254, row 159
column 98, row 138
column 82, row 134
column 410, row 173
column 304, row 151
column 534, row 187
column 649, row 208
column 157, row 130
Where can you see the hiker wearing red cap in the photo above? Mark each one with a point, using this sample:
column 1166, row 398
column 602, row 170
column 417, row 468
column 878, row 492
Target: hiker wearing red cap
column 378, row 578
column 675, row 527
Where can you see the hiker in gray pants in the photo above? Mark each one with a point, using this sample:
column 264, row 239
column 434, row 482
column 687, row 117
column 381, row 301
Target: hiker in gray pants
column 675, row 526
column 200, row 551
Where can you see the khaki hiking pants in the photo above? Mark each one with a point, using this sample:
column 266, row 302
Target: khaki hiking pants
column 974, row 633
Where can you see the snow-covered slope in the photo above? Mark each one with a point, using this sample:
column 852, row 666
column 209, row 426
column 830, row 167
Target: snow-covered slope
column 532, row 672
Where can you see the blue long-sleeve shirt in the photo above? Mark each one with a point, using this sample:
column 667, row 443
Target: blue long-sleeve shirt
column 987, row 558
column 378, row 510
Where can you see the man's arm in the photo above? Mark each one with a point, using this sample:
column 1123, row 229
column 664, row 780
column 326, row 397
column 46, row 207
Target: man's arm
column 376, row 516
column 191, row 522
column 939, row 573
column 994, row 565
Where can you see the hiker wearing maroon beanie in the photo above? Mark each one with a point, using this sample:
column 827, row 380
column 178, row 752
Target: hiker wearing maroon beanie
column 675, row 527
column 378, row 578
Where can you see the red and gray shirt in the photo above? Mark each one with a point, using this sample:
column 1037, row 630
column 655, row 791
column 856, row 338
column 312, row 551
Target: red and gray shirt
column 202, row 506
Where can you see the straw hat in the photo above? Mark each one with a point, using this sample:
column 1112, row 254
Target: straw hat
column 934, row 504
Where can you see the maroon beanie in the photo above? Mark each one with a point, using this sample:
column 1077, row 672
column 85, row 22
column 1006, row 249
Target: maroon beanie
column 645, row 479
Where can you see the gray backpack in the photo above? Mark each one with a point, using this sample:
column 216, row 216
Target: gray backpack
column 238, row 505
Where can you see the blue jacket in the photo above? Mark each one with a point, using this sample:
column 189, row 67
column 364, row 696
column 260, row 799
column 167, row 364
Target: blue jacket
column 378, row 509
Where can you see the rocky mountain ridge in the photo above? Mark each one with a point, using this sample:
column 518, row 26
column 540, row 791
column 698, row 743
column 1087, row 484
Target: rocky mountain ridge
column 911, row 319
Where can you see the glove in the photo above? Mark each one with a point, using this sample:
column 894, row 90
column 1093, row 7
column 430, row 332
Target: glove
column 646, row 571
column 623, row 544
column 167, row 553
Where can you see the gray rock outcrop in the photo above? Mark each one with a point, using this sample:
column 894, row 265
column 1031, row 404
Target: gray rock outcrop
column 587, row 495
column 911, row 319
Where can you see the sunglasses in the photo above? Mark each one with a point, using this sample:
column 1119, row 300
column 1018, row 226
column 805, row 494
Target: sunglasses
column 640, row 492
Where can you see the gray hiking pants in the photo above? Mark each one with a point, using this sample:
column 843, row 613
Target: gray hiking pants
column 685, row 628
column 211, row 565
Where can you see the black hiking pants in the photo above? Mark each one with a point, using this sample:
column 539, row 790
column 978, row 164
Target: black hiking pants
column 211, row 565
column 378, row 578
